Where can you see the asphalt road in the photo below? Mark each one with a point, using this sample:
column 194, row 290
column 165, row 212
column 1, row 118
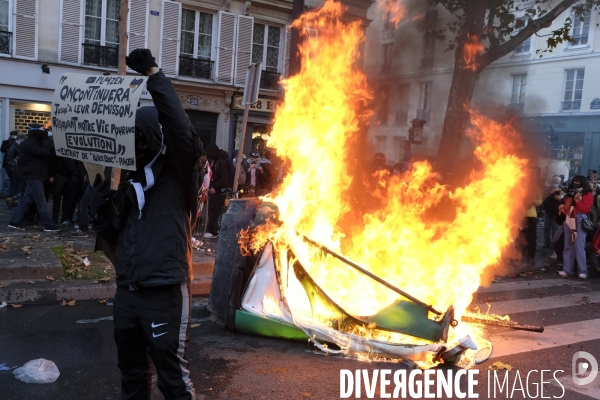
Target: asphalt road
column 234, row 366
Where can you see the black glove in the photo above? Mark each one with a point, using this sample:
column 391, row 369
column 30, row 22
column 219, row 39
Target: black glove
column 140, row 60
column 100, row 197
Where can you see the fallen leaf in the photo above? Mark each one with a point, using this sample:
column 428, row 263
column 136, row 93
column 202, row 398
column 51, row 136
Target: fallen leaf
column 12, row 260
column 500, row 365
column 103, row 301
column 16, row 305
column 523, row 274
column 71, row 303
column 63, row 303
column 29, row 282
column 497, row 280
column 3, row 284
column 4, row 247
column 194, row 326
column 50, row 278
column 63, row 278
column 79, row 276
column 105, row 279
column 95, row 282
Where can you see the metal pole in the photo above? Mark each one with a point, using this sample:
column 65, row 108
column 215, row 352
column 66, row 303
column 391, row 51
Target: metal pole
column 372, row 276
column 115, row 176
column 241, row 150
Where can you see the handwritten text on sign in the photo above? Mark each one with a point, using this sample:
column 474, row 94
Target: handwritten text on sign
column 93, row 118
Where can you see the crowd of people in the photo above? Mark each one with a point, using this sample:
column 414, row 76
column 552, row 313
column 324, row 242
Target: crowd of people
column 571, row 216
column 36, row 174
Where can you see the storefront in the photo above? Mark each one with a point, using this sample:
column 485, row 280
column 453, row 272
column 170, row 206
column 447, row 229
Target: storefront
column 573, row 138
column 260, row 123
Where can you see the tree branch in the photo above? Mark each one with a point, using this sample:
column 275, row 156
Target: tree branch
column 491, row 34
column 531, row 28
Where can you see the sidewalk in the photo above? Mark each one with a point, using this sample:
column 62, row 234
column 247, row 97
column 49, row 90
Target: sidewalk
column 30, row 271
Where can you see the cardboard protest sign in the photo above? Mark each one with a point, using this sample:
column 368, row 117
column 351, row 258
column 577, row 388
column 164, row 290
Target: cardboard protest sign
column 93, row 118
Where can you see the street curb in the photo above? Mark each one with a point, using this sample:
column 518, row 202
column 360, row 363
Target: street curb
column 48, row 292
column 24, row 271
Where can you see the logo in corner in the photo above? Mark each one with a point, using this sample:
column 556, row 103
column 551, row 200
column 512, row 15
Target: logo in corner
column 135, row 84
column 584, row 372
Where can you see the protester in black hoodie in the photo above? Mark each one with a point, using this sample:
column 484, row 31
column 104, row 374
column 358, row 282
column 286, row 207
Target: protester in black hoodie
column 148, row 225
column 33, row 165
column 222, row 178
column 550, row 205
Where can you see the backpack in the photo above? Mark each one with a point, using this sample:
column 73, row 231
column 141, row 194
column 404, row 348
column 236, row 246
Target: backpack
column 243, row 172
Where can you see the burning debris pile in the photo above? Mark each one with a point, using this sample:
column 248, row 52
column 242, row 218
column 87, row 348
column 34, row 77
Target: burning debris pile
column 305, row 279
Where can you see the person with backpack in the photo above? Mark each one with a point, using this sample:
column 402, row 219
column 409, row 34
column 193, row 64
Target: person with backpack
column 223, row 175
column 145, row 227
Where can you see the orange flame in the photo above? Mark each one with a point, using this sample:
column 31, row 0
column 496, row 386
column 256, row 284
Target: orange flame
column 438, row 260
column 472, row 48
column 393, row 11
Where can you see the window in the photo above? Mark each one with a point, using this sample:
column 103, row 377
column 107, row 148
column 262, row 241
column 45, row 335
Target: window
column 195, row 47
column 428, row 50
column 102, row 22
column 5, row 35
column 519, row 88
column 196, row 34
column 524, row 47
column 581, row 29
column 101, row 42
column 266, row 37
column 398, row 148
column 425, row 95
column 381, row 144
column 387, row 57
column 4, row 15
column 573, row 89
column 401, row 117
column 382, row 106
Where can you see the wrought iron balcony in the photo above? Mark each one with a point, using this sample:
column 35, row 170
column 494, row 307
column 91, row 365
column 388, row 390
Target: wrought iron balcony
column 571, row 105
column 5, row 42
column 102, row 56
column 269, row 80
column 195, row 67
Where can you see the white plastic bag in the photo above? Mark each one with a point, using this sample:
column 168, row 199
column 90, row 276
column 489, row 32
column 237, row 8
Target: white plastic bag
column 37, row 371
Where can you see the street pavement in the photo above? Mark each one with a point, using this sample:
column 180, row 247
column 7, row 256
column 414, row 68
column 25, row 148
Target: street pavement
column 227, row 365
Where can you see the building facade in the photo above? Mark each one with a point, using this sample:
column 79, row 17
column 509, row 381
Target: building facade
column 556, row 94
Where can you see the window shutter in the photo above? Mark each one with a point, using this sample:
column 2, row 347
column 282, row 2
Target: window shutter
column 286, row 52
column 225, row 46
column 243, row 48
column 138, row 25
column 169, row 46
column 70, row 31
column 25, row 31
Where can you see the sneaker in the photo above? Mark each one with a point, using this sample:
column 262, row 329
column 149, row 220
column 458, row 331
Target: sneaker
column 563, row 274
column 209, row 235
column 66, row 223
column 10, row 202
column 553, row 256
column 79, row 234
column 52, row 228
column 582, row 276
column 76, row 226
column 15, row 226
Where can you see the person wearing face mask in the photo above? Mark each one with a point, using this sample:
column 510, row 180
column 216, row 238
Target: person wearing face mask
column 577, row 204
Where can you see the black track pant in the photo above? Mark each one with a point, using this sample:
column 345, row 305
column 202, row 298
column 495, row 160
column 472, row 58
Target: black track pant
column 215, row 205
column 152, row 325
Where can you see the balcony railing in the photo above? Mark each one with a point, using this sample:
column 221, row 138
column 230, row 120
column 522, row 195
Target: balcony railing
column 571, row 105
column 5, row 42
column 195, row 67
column 269, row 80
column 102, row 56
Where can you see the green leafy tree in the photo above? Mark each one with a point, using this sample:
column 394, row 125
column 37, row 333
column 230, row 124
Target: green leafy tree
column 483, row 31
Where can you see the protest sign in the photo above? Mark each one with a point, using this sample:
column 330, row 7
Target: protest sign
column 93, row 118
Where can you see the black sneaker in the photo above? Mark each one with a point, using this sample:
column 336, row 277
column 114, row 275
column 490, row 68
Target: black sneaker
column 79, row 234
column 15, row 226
column 52, row 228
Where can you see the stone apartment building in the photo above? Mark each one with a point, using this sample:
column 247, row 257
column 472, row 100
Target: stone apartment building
column 556, row 96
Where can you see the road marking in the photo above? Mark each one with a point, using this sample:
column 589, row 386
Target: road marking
column 506, row 286
column 517, row 342
column 543, row 303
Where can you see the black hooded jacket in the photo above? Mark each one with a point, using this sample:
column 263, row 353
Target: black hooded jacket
column 33, row 155
column 223, row 169
column 154, row 249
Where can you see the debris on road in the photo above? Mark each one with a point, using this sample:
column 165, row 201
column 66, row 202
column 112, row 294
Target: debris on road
column 498, row 365
column 16, row 305
column 3, row 367
column 93, row 321
column 3, row 284
column 194, row 326
column 3, row 304
column 37, row 371
column 50, row 278
column 103, row 302
column 68, row 303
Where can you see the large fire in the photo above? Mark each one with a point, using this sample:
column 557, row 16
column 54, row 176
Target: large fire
column 400, row 239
